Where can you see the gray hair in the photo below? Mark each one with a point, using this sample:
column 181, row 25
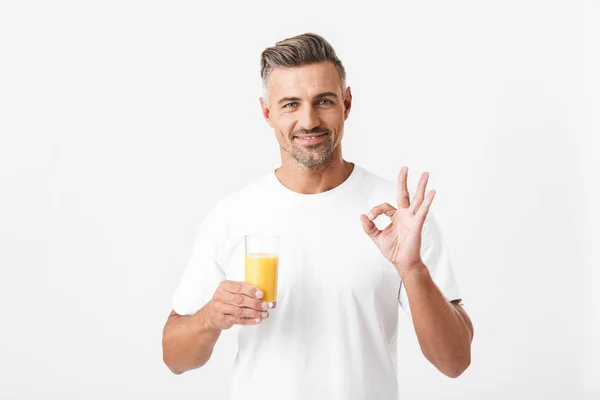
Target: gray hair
column 308, row 48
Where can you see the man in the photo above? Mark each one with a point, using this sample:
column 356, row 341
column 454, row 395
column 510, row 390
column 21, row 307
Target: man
column 333, row 332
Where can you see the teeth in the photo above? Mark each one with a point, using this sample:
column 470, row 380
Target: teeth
column 308, row 137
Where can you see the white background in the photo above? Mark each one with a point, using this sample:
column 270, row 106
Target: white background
column 122, row 123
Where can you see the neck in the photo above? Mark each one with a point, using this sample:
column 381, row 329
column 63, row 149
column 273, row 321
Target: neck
column 313, row 180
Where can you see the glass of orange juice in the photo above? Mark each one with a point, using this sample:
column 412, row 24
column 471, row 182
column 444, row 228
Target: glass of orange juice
column 262, row 264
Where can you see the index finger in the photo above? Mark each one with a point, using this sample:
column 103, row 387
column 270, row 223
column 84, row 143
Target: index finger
column 242, row 288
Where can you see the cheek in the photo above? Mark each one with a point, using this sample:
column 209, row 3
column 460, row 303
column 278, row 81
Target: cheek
column 334, row 120
column 285, row 126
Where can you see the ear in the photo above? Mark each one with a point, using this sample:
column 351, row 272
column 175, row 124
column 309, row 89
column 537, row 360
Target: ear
column 347, row 103
column 266, row 112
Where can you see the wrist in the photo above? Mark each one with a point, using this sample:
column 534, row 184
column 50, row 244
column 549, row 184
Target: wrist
column 204, row 320
column 411, row 272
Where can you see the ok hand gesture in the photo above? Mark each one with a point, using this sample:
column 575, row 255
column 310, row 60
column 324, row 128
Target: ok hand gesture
column 400, row 241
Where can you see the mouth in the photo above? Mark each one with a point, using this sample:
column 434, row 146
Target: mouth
column 310, row 139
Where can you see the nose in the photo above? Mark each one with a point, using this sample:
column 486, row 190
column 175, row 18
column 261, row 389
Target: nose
column 309, row 118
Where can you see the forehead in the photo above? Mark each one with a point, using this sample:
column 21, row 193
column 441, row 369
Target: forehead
column 304, row 79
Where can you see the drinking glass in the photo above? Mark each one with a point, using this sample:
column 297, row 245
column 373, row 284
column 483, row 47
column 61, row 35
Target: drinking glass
column 262, row 264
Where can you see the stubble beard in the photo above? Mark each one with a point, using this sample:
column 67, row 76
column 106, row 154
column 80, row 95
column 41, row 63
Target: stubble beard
column 316, row 155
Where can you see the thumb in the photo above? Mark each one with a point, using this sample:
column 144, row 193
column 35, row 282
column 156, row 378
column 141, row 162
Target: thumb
column 369, row 227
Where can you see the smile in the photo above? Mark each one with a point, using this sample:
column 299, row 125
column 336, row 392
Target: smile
column 310, row 139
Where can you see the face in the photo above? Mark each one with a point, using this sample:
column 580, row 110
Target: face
column 307, row 108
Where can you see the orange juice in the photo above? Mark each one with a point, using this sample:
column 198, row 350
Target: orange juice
column 261, row 271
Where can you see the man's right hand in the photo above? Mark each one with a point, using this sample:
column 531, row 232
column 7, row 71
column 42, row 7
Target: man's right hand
column 235, row 303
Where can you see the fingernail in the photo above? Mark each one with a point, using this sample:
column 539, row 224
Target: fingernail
column 370, row 216
column 265, row 314
column 257, row 320
column 259, row 294
column 264, row 305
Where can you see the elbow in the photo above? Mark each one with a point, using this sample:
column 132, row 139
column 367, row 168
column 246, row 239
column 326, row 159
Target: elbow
column 452, row 364
column 175, row 371
column 458, row 368
column 169, row 363
column 181, row 351
column 173, row 367
column 177, row 364
column 168, row 357
column 178, row 370
column 461, row 360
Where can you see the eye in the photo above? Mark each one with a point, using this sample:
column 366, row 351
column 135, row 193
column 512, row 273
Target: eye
column 324, row 100
column 290, row 105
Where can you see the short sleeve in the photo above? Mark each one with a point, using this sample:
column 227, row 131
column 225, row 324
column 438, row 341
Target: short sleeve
column 203, row 272
column 435, row 257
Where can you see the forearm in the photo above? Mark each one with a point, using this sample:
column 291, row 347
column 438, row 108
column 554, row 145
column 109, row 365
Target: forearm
column 188, row 342
column 444, row 333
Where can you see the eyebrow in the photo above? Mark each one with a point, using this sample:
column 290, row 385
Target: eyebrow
column 319, row 96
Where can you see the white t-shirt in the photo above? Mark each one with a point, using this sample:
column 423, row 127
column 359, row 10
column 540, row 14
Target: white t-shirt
column 333, row 333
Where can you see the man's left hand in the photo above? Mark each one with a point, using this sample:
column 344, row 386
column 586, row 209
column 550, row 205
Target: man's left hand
column 400, row 241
